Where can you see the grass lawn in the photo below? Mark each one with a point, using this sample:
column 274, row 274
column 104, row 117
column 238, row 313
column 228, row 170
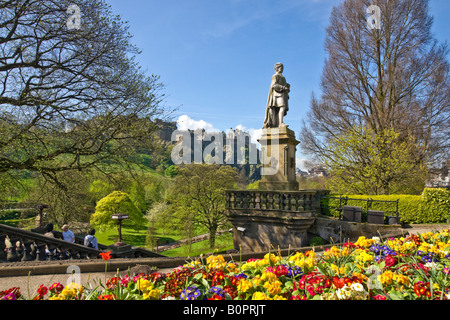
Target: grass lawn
column 133, row 237
column 224, row 242
column 138, row 238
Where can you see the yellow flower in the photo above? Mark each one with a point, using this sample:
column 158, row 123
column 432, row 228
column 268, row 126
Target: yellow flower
column 386, row 277
column 269, row 276
column 334, row 252
column 249, row 266
column 363, row 242
column 364, row 257
column 401, row 279
column 270, row 259
column 260, row 296
column 337, row 270
column 152, row 294
column 232, row 268
column 273, row 287
column 245, row 285
column 216, row 262
column 278, row 297
column 360, row 276
column 256, row 280
column 296, row 257
column 143, row 284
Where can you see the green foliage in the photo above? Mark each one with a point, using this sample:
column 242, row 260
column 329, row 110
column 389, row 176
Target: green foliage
column 368, row 162
column 171, row 171
column 116, row 202
column 316, row 241
column 430, row 207
column 253, row 185
column 438, row 201
column 197, row 197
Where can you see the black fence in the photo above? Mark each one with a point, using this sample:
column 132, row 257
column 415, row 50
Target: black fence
column 334, row 206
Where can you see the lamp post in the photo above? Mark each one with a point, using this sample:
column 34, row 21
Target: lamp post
column 120, row 217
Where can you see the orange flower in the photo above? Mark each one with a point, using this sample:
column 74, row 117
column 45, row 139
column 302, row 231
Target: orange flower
column 106, row 255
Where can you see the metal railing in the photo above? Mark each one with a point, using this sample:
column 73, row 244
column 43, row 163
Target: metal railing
column 343, row 201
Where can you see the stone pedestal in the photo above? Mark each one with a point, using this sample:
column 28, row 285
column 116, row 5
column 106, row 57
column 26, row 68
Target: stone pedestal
column 258, row 231
column 278, row 147
column 267, row 220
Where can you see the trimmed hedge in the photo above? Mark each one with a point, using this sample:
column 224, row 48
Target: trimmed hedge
column 433, row 206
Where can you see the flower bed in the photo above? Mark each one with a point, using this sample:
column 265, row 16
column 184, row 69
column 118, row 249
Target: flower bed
column 410, row 268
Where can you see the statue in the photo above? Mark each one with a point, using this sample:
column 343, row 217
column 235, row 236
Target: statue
column 277, row 103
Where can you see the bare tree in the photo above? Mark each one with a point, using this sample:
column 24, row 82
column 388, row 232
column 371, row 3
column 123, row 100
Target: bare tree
column 71, row 93
column 395, row 77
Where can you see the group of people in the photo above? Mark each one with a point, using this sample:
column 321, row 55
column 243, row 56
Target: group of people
column 89, row 240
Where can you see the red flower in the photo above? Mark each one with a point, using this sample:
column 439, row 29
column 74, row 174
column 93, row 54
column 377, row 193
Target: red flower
column 422, row 289
column 42, row 291
column 338, row 282
column 56, row 287
column 106, row 255
column 216, row 297
column 106, row 297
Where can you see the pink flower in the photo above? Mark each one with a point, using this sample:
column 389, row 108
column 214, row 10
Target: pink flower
column 379, row 297
column 311, row 290
column 390, row 261
column 278, row 271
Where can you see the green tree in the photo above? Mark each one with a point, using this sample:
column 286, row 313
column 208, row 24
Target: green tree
column 72, row 98
column 116, row 202
column 197, row 196
column 365, row 162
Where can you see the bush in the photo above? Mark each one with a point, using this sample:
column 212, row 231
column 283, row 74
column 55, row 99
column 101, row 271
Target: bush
column 433, row 206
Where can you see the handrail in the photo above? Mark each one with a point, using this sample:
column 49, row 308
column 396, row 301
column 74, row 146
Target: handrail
column 48, row 240
column 32, row 247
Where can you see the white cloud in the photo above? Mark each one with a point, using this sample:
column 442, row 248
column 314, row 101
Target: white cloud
column 300, row 163
column 255, row 134
column 184, row 122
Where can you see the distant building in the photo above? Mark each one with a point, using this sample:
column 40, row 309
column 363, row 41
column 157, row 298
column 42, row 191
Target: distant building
column 318, row 171
column 165, row 129
column 440, row 178
column 301, row 173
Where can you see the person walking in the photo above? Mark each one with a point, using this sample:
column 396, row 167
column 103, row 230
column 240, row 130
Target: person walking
column 90, row 240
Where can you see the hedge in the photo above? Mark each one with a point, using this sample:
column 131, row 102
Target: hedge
column 433, row 206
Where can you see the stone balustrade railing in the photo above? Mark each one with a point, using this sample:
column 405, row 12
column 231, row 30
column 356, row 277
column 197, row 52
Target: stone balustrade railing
column 22, row 245
column 294, row 201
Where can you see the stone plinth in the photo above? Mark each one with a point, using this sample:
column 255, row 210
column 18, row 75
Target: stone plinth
column 266, row 220
column 279, row 147
column 258, row 231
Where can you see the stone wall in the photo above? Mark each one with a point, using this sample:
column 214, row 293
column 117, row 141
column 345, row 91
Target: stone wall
column 334, row 230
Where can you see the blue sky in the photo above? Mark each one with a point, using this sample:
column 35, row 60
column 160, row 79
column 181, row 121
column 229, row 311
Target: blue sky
column 216, row 57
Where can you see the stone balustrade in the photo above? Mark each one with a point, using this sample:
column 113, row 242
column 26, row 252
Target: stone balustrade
column 294, row 201
column 22, row 245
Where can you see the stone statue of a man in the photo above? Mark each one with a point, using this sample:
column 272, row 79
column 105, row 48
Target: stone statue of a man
column 277, row 103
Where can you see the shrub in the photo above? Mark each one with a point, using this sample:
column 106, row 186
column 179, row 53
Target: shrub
column 433, row 206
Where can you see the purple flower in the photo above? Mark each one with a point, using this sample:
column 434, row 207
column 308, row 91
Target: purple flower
column 190, row 293
column 218, row 291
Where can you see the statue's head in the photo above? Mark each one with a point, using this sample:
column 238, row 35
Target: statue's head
column 279, row 67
